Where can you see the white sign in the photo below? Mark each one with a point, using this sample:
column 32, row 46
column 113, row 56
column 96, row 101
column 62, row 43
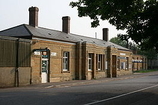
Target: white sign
column 135, row 60
column 122, row 54
column 53, row 54
column 37, row 53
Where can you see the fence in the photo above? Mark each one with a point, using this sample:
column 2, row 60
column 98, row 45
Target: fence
column 15, row 61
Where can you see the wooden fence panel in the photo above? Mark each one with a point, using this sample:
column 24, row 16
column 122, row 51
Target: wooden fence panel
column 10, row 47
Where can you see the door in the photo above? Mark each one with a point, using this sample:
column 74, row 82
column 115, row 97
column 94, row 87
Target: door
column 90, row 66
column 44, row 71
column 114, row 72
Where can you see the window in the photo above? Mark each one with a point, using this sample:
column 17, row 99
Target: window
column 100, row 62
column 123, row 65
column 118, row 63
column 66, row 61
column 90, row 62
column 127, row 63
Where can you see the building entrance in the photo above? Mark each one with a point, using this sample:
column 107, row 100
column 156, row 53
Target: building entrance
column 44, row 67
column 114, row 72
column 44, row 72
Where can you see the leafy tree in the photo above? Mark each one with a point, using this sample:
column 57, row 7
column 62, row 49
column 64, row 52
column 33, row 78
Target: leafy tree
column 150, row 54
column 124, row 43
column 124, row 37
column 138, row 17
column 118, row 41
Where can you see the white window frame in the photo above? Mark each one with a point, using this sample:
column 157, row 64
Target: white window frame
column 90, row 61
column 123, row 65
column 99, row 62
column 66, row 55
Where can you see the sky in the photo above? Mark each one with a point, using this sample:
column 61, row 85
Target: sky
column 15, row 12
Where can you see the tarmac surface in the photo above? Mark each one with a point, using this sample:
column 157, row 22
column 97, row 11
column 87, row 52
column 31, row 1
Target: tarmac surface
column 87, row 82
column 135, row 89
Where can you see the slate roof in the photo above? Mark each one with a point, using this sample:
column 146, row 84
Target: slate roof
column 25, row 30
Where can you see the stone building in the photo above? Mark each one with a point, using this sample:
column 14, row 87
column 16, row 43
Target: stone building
column 62, row 56
column 139, row 62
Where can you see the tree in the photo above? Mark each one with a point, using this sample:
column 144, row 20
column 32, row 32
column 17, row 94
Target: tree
column 125, row 43
column 138, row 17
column 124, row 37
column 118, row 41
column 150, row 54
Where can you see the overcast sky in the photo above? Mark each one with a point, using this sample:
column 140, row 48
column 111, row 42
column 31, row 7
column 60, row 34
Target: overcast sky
column 15, row 12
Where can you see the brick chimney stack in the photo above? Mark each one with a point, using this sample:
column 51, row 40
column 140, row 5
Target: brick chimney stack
column 66, row 24
column 105, row 34
column 33, row 16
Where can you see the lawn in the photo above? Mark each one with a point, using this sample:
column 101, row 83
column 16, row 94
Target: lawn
column 146, row 71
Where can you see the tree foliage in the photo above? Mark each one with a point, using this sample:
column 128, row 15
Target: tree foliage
column 124, row 43
column 138, row 17
column 118, row 41
column 150, row 54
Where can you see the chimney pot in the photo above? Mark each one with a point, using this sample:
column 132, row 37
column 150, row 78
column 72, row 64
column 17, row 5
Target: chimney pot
column 33, row 16
column 66, row 24
column 105, row 34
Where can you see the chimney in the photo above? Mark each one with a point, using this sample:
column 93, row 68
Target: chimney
column 33, row 16
column 66, row 24
column 105, row 34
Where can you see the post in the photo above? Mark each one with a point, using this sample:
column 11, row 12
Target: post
column 17, row 64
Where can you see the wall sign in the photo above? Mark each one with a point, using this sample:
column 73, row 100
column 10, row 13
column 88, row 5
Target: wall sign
column 122, row 58
column 45, row 54
column 136, row 61
column 53, row 54
column 37, row 53
column 122, row 54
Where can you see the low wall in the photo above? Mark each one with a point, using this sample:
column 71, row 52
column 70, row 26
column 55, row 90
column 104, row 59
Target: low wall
column 124, row 72
column 10, row 78
column 101, row 75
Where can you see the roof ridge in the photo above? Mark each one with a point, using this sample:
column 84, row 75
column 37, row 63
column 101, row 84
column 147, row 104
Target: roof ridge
column 12, row 27
column 19, row 30
column 25, row 25
column 49, row 29
column 58, row 35
column 69, row 33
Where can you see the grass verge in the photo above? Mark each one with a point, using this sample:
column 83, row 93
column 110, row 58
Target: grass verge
column 146, row 71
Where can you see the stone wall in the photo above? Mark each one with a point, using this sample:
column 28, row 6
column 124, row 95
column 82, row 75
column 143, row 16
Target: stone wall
column 56, row 74
column 139, row 62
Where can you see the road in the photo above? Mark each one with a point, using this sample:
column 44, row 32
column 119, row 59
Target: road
column 136, row 91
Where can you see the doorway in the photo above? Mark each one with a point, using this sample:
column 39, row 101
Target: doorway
column 45, row 66
column 114, row 72
column 44, row 72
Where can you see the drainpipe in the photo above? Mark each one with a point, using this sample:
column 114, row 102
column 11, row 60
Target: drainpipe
column 17, row 64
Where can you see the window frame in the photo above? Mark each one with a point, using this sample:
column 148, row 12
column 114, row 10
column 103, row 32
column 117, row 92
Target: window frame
column 101, row 64
column 127, row 63
column 90, row 61
column 123, row 65
column 66, row 61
